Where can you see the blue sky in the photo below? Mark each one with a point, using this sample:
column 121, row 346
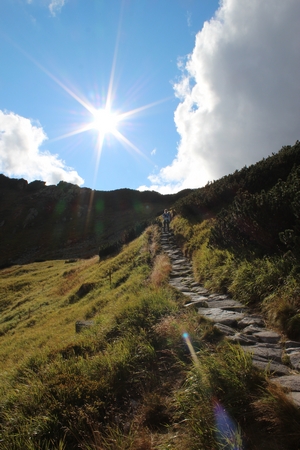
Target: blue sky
column 195, row 89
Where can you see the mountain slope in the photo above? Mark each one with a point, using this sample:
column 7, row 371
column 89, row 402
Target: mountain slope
column 39, row 222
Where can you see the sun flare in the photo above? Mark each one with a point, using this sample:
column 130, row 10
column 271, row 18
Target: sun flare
column 105, row 121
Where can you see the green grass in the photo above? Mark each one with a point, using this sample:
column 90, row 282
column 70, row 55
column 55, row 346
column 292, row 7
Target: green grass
column 129, row 381
column 269, row 284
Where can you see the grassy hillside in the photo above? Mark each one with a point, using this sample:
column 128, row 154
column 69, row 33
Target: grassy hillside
column 127, row 381
column 243, row 234
column 39, row 222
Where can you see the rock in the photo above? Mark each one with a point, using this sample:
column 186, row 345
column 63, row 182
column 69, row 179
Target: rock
column 266, row 352
column 251, row 329
column 269, row 366
column 251, row 321
column 180, row 262
column 230, row 305
column 295, row 397
column 81, row 325
column 292, row 344
column 197, row 300
column 218, row 297
column 291, row 351
column 291, row 382
column 229, row 318
column 176, row 273
column 269, row 337
column 233, row 320
column 295, row 360
column 242, row 339
column 201, row 290
column 30, row 216
column 224, row 329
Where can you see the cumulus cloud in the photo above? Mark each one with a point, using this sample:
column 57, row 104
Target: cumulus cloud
column 55, row 6
column 20, row 154
column 239, row 92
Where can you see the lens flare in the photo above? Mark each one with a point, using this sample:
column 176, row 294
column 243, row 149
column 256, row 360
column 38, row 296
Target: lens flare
column 228, row 433
column 187, row 339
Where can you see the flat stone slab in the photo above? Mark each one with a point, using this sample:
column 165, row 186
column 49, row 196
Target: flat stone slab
column 251, row 329
column 292, row 344
column 184, row 289
column 295, row 360
column 234, row 321
column 270, row 366
column 182, row 273
column 181, row 261
column 220, row 315
column 242, row 339
column 267, row 353
column 292, row 351
column 196, row 284
column 295, row 397
column 176, row 281
column 195, row 298
column 225, row 329
column 251, row 321
column 291, row 382
column 196, row 302
column 268, row 336
column 231, row 305
column 219, row 297
column 201, row 290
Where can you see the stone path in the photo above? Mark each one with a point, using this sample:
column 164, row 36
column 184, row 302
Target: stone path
column 235, row 321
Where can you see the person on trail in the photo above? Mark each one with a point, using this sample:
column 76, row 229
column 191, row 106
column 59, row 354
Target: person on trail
column 166, row 219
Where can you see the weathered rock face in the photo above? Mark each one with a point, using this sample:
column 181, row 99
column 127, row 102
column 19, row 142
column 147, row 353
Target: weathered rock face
column 238, row 325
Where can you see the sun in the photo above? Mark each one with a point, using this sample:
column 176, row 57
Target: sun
column 105, row 121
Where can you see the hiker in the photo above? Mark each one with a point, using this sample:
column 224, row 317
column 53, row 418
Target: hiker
column 166, row 219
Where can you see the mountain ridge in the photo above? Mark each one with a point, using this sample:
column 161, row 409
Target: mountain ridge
column 39, row 222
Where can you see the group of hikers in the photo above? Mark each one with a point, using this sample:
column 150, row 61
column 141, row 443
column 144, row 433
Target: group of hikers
column 166, row 219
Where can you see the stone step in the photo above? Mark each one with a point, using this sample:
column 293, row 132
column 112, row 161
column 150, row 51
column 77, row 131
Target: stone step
column 219, row 315
column 234, row 321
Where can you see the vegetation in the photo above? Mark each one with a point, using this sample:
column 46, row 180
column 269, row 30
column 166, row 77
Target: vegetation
column 243, row 235
column 39, row 222
column 145, row 372
column 128, row 381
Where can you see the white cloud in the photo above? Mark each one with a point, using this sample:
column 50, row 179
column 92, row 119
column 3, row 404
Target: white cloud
column 239, row 92
column 20, row 154
column 153, row 152
column 55, row 6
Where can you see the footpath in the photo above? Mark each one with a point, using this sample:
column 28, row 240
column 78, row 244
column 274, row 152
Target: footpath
column 280, row 358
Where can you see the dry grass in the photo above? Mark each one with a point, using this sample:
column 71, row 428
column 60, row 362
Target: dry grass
column 161, row 270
